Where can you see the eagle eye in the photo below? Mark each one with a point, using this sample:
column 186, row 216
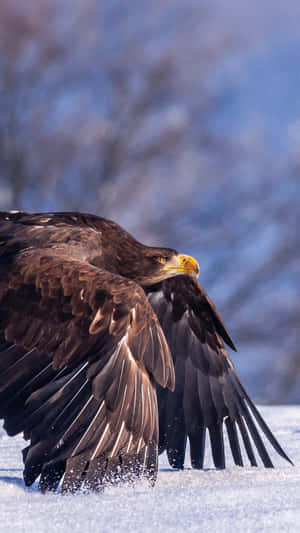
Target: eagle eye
column 162, row 259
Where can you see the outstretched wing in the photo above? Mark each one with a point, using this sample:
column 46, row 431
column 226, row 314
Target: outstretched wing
column 208, row 391
column 80, row 352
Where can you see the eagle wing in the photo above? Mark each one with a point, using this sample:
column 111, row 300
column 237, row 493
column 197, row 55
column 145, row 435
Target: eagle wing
column 208, row 391
column 81, row 350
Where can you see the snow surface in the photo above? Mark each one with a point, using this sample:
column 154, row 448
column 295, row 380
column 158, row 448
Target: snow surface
column 233, row 500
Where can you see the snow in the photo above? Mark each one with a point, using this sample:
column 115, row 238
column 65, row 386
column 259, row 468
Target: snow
column 233, row 500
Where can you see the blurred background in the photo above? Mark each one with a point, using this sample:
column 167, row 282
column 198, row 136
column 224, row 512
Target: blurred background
column 181, row 121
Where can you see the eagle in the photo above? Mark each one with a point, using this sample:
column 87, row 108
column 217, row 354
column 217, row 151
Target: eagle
column 111, row 353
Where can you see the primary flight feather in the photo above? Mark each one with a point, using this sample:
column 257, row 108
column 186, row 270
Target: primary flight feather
column 91, row 323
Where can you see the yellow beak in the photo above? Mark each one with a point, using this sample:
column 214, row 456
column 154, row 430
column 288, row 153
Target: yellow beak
column 182, row 264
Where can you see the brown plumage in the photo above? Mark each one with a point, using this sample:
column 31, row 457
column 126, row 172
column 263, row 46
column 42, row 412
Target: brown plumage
column 87, row 318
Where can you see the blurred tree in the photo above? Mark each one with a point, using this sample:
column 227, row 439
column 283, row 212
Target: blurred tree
column 42, row 61
column 100, row 107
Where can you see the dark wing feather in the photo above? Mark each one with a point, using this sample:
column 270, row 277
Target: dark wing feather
column 80, row 351
column 208, row 390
